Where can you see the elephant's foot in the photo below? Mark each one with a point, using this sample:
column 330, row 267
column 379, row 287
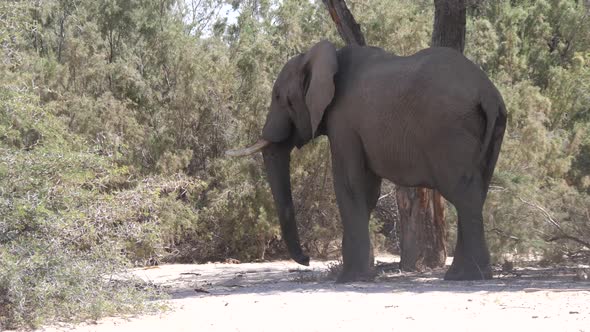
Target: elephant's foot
column 352, row 276
column 469, row 272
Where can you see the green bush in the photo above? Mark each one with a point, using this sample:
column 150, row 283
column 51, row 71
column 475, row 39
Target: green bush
column 56, row 257
column 114, row 116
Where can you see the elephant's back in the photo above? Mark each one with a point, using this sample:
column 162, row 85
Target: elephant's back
column 411, row 111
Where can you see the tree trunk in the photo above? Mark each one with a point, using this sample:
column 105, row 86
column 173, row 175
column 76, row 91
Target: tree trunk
column 449, row 24
column 423, row 230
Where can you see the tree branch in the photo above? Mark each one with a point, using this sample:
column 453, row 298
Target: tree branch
column 550, row 220
column 546, row 213
column 568, row 237
column 349, row 30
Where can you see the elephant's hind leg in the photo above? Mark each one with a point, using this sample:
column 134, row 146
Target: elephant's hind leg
column 357, row 190
column 472, row 258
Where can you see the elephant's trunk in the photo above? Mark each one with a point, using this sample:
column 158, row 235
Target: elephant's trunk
column 277, row 157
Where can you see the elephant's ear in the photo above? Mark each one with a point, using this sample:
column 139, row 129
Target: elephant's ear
column 320, row 66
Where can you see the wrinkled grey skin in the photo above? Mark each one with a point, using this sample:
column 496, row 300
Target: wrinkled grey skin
column 432, row 119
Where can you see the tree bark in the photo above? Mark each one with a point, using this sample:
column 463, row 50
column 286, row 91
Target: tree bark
column 349, row 30
column 449, row 24
column 423, row 229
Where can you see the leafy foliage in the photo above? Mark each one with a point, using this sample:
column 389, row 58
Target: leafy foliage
column 114, row 116
column 541, row 67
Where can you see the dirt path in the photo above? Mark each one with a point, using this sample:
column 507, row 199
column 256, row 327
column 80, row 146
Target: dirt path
column 282, row 296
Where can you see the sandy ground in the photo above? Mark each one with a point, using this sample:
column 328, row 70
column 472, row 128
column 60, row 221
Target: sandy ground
column 283, row 296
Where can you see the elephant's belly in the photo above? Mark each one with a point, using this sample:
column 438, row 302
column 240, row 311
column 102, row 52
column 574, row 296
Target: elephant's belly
column 394, row 160
column 430, row 160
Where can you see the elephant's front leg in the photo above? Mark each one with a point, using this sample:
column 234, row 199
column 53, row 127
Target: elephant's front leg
column 355, row 187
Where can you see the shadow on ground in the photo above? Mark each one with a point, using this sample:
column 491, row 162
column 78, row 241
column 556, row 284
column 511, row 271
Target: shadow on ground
column 184, row 281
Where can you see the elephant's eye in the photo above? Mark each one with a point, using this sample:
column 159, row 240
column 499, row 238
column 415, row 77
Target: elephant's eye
column 289, row 102
column 277, row 96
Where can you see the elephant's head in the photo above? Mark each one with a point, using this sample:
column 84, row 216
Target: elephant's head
column 300, row 96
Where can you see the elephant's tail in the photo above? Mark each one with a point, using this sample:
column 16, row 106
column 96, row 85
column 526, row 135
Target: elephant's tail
column 495, row 113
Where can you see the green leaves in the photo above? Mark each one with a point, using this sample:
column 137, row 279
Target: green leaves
column 114, row 116
column 541, row 70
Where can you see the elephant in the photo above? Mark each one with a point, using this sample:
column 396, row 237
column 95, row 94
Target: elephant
column 432, row 119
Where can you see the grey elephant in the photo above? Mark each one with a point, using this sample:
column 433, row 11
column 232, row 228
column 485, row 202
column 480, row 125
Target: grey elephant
column 432, row 119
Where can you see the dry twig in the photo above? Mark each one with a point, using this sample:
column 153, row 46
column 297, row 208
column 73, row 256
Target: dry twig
column 550, row 220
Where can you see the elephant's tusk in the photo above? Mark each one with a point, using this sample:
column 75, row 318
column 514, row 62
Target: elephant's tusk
column 261, row 144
